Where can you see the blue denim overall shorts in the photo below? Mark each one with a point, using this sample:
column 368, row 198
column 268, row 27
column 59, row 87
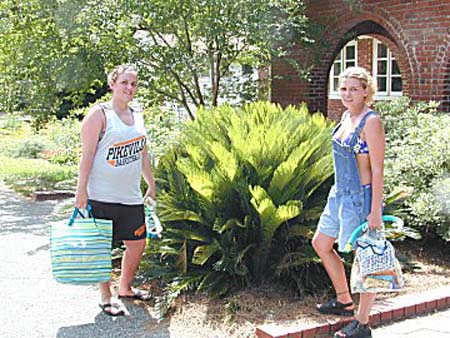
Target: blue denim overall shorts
column 348, row 203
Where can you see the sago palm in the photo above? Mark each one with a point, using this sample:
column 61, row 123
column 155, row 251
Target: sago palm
column 237, row 187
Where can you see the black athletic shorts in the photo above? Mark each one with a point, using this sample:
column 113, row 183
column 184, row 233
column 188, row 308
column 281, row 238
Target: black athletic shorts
column 128, row 220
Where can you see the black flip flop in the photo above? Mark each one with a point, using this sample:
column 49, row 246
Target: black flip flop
column 333, row 307
column 137, row 296
column 106, row 308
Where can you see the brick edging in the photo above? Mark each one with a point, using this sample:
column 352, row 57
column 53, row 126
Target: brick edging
column 52, row 195
column 384, row 310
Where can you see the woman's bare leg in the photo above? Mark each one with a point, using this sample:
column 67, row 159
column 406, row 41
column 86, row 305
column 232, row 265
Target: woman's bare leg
column 105, row 292
column 359, row 327
column 130, row 263
column 366, row 301
column 323, row 245
column 105, row 299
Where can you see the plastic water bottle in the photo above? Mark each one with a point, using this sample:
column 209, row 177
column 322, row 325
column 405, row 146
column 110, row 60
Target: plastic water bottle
column 152, row 222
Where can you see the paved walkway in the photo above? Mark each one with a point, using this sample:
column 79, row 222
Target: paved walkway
column 436, row 325
column 33, row 304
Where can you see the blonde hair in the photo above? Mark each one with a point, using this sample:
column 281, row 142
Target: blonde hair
column 119, row 70
column 364, row 77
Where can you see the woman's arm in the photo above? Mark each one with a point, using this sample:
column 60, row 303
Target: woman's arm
column 93, row 123
column 148, row 175
column 375, row 138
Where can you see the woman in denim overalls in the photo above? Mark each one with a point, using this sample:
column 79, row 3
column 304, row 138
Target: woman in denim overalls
column 358, row 153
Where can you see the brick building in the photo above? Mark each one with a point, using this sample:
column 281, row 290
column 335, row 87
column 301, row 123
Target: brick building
column 404, row 43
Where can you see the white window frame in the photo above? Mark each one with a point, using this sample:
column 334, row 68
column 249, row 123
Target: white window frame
column 333, row 93
column 388, row 93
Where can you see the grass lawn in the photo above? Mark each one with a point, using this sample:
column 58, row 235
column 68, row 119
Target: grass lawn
column 26, row 175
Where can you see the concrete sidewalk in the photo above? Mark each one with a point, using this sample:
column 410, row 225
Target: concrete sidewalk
column 435, row 325
column 33, row 304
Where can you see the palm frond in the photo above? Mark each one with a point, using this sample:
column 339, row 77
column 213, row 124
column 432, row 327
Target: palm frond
column 203, row 252
column 182, row 260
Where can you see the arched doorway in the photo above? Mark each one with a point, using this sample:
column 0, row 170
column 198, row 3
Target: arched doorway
column 371, row 46
column 373, row 54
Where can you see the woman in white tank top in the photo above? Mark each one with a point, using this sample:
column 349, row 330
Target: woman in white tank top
column 114, row 157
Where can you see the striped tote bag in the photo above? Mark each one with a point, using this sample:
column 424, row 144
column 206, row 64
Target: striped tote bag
column 80, row 249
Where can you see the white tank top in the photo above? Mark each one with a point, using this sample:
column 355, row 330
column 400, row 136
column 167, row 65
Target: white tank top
column 116, row 171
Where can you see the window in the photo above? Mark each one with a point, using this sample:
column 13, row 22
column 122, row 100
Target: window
column 386, row 71
column 347, row 57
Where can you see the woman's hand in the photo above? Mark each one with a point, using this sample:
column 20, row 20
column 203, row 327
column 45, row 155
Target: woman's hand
column 150, row 193
column 81, row 198
column 375, row 221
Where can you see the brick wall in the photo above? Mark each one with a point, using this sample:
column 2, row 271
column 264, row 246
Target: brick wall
column 365, row 52
column 418, row 33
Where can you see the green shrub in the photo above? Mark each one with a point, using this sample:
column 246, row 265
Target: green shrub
column 11, row 123
column 64, row 136
column 31, row 147
column 441, row 190
column 240, row 195
column 418, row 157
column 24, row 156
column 162, row 129
column 9, row 139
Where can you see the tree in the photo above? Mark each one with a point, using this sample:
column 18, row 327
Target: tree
column 40, row 63
column 177, row 42
column 61, row 48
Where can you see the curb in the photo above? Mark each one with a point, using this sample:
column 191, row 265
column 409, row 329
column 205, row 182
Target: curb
column 383, row 311
column 52, row 195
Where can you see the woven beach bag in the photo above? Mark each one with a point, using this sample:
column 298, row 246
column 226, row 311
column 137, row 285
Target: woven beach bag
column 80, row 249
column 375, row 267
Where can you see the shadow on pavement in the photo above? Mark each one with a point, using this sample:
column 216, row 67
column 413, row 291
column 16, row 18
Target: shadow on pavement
column 139, row 324
column 20, row 215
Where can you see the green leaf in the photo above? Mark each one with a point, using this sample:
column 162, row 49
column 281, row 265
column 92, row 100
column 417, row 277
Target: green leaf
column 204, row 252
